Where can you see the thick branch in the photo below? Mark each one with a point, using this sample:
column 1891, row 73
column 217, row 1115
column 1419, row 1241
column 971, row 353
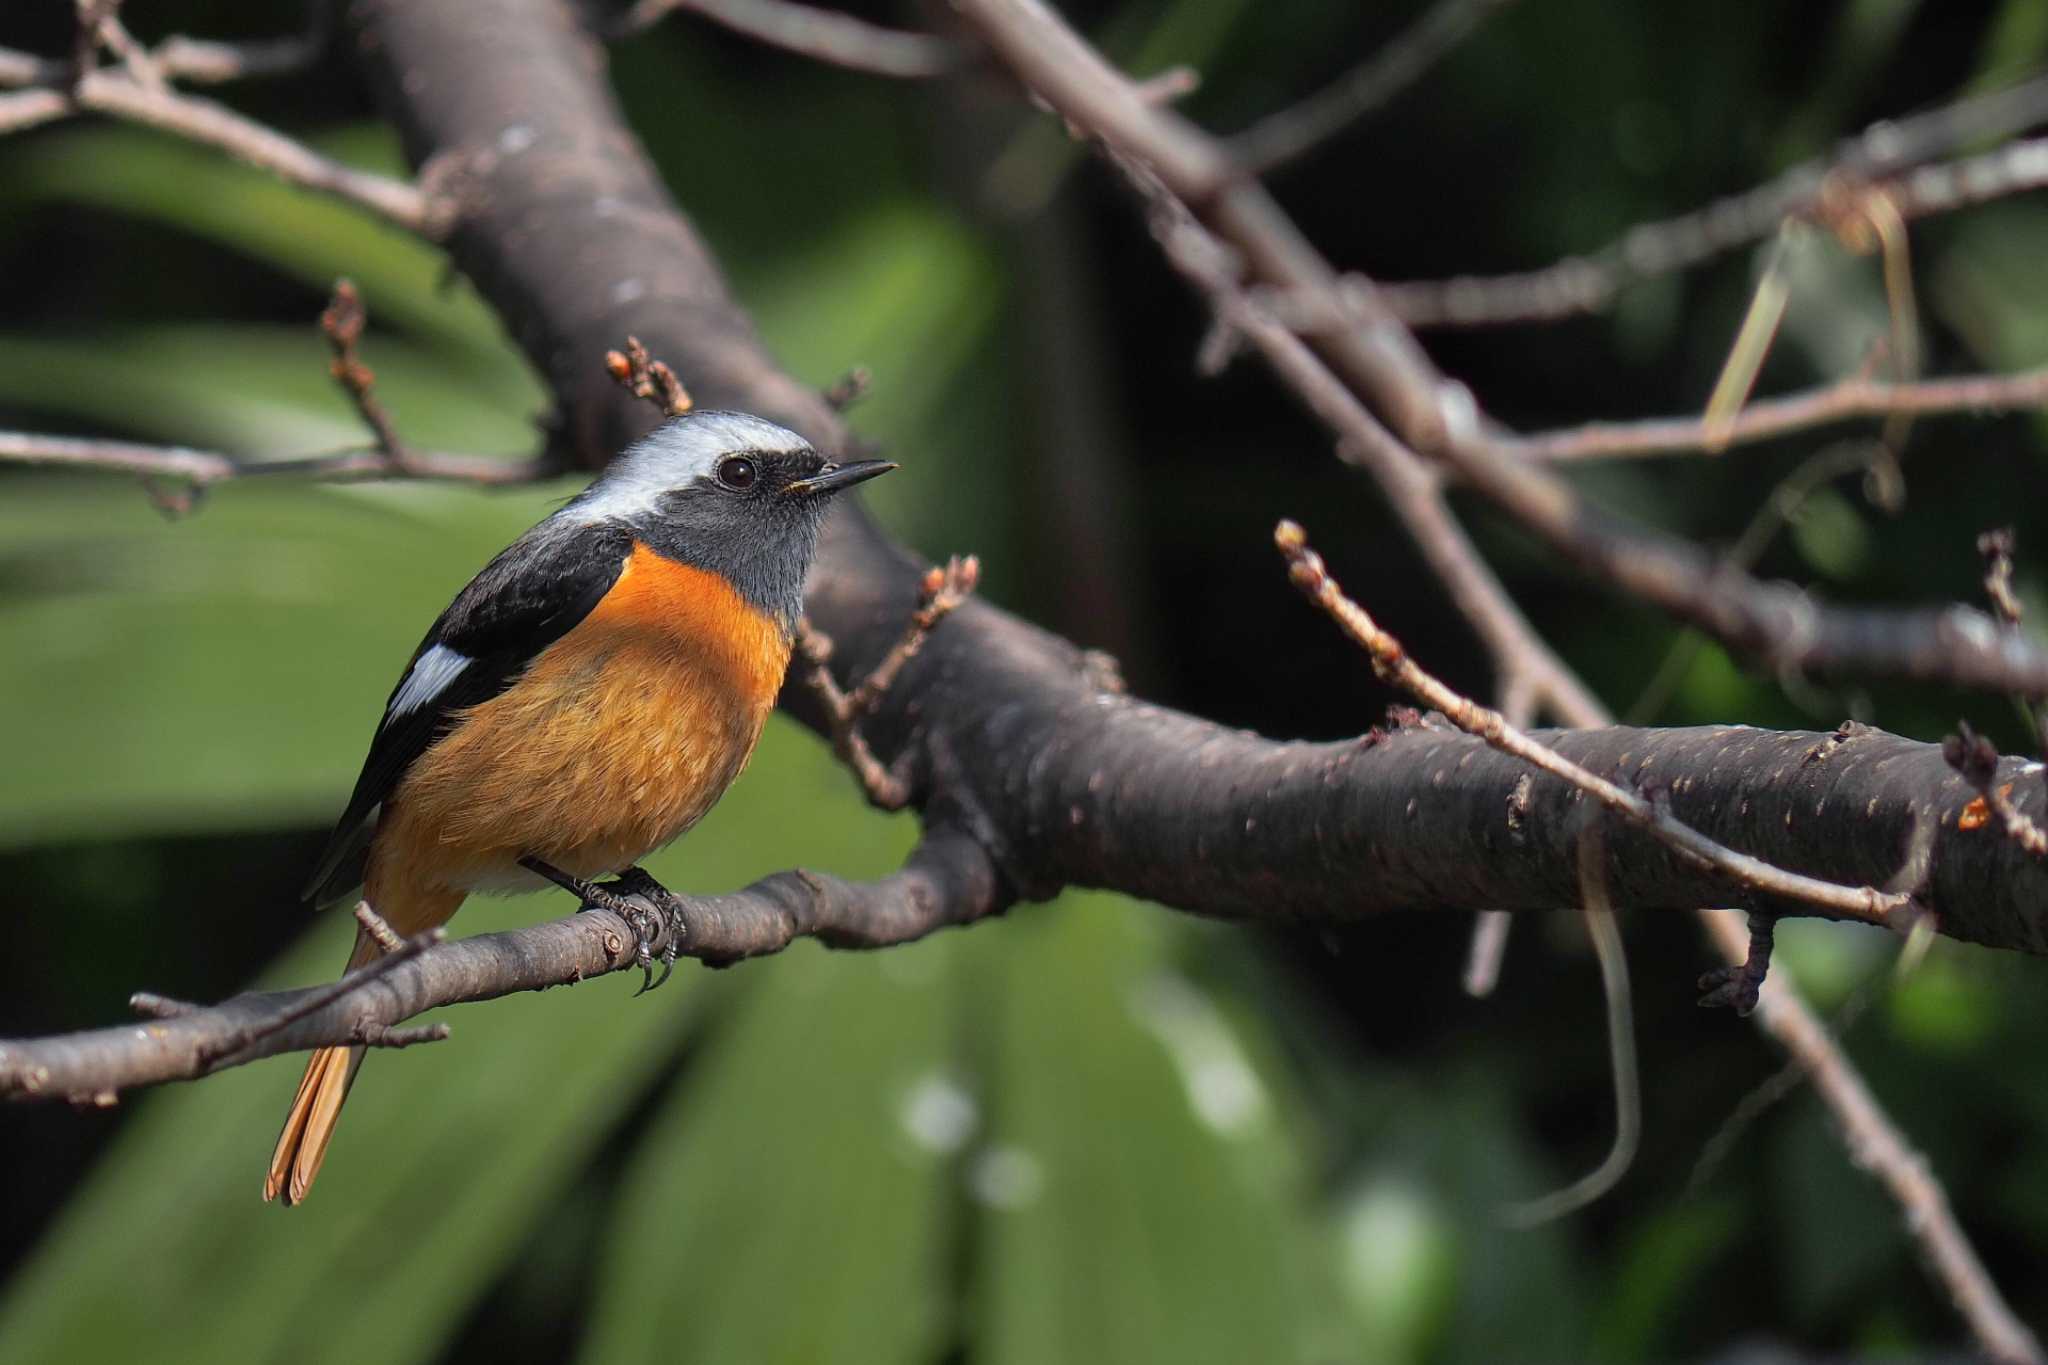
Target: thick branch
column 947, row 880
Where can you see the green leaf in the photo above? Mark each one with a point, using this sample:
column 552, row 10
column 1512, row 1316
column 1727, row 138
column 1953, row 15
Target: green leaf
column 1138, row 1200
column 801, row 1151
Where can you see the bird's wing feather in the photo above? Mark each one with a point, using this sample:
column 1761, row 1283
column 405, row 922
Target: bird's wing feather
column 523, row 601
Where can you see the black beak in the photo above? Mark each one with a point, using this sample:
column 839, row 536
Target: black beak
column 834, row 478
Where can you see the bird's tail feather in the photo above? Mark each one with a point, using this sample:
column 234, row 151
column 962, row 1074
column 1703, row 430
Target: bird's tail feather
column 316, row 1108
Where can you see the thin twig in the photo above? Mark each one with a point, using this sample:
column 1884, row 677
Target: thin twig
column 1525, row 664
column 1488, row 946
column 215, row 125
column 1823, row 192
column 849, row 388
column 645, row 377
column 201, row 61
column 134, row 57
column 1486, row 951
column 342, row 323
column 201, row 468
column 1843, row 401
column 1605, row 930
column 385, row 1036
column 381, row 933
column 1997, row 549
column 230, row 1042
column 886, row 785
column 1279, row 138
column 1976, row 759
column 822, row 35
column 1878, row 1146
column 1392, row 664
column 152, row 1006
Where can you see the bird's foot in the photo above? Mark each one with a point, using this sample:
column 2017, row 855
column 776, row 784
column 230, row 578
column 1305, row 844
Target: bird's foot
column 643, row 903
column 1740, row 986
column 637, row 883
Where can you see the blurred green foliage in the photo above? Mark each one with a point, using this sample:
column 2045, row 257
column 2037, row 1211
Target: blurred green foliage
column 1092, row 1131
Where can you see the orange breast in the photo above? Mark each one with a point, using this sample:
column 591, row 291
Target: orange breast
column 615, row 740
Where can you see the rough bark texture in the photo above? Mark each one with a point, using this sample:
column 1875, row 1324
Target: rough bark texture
column 1014, row 737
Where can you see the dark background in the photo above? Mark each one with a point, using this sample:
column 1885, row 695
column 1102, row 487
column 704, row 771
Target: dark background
column 724, row 1168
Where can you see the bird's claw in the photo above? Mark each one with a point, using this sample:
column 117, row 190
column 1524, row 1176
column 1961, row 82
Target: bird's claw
column 643, row 903
column 667, row 914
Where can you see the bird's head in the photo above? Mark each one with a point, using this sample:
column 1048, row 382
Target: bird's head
column 728, row 492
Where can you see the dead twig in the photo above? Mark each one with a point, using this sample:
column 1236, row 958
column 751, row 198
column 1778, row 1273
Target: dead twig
column 1843, row 401
column 200, row 469
column 1877, row 1146
column 1392, row 664
column 1293, row 132
column 1884, row 160
column 887, row 786
column 1976, row 759
column 342, row 323
column 1997, row 548
column 120, row 95
column 201, row 61
column 822, row 35
column 645, row 377
column 1605, row 931
column 849, row 388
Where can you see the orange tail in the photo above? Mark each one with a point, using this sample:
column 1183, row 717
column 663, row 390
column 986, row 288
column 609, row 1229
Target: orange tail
column 309, row 1127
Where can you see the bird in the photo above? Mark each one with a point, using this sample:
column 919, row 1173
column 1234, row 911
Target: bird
column 581, row 703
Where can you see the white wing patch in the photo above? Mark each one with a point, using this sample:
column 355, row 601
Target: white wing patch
column 428, row 679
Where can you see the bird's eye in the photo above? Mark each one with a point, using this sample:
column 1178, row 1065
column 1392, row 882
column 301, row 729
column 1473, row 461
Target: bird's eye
column 737, row 474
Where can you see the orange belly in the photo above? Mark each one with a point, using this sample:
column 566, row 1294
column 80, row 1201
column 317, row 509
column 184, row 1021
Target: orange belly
column 616, row 739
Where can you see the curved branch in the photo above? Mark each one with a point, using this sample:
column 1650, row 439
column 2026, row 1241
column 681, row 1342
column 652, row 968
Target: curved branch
column 216, row 125
column 822, row 35
column 947, row 880
column 1827, row 191
column 201, row 468
column 1386, row 367
column 1842, row 401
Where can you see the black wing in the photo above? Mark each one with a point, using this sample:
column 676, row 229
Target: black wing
column 531, row 595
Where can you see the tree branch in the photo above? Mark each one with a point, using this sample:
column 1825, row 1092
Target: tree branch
column 1827, row 192
column 215, row 125
column 1393, row 665
column 199, row 60
column 1843, row 401
column 1291, row 133
column 947, row 880
column 822, row 35
column 1385, row 367
column 204, row 468
column 1390, row 368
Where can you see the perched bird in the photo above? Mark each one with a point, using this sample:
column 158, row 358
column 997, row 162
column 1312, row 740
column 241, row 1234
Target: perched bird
column 586, row 699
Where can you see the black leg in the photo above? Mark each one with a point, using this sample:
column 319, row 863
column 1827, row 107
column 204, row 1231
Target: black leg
column 637, row 881
column 642, row 902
